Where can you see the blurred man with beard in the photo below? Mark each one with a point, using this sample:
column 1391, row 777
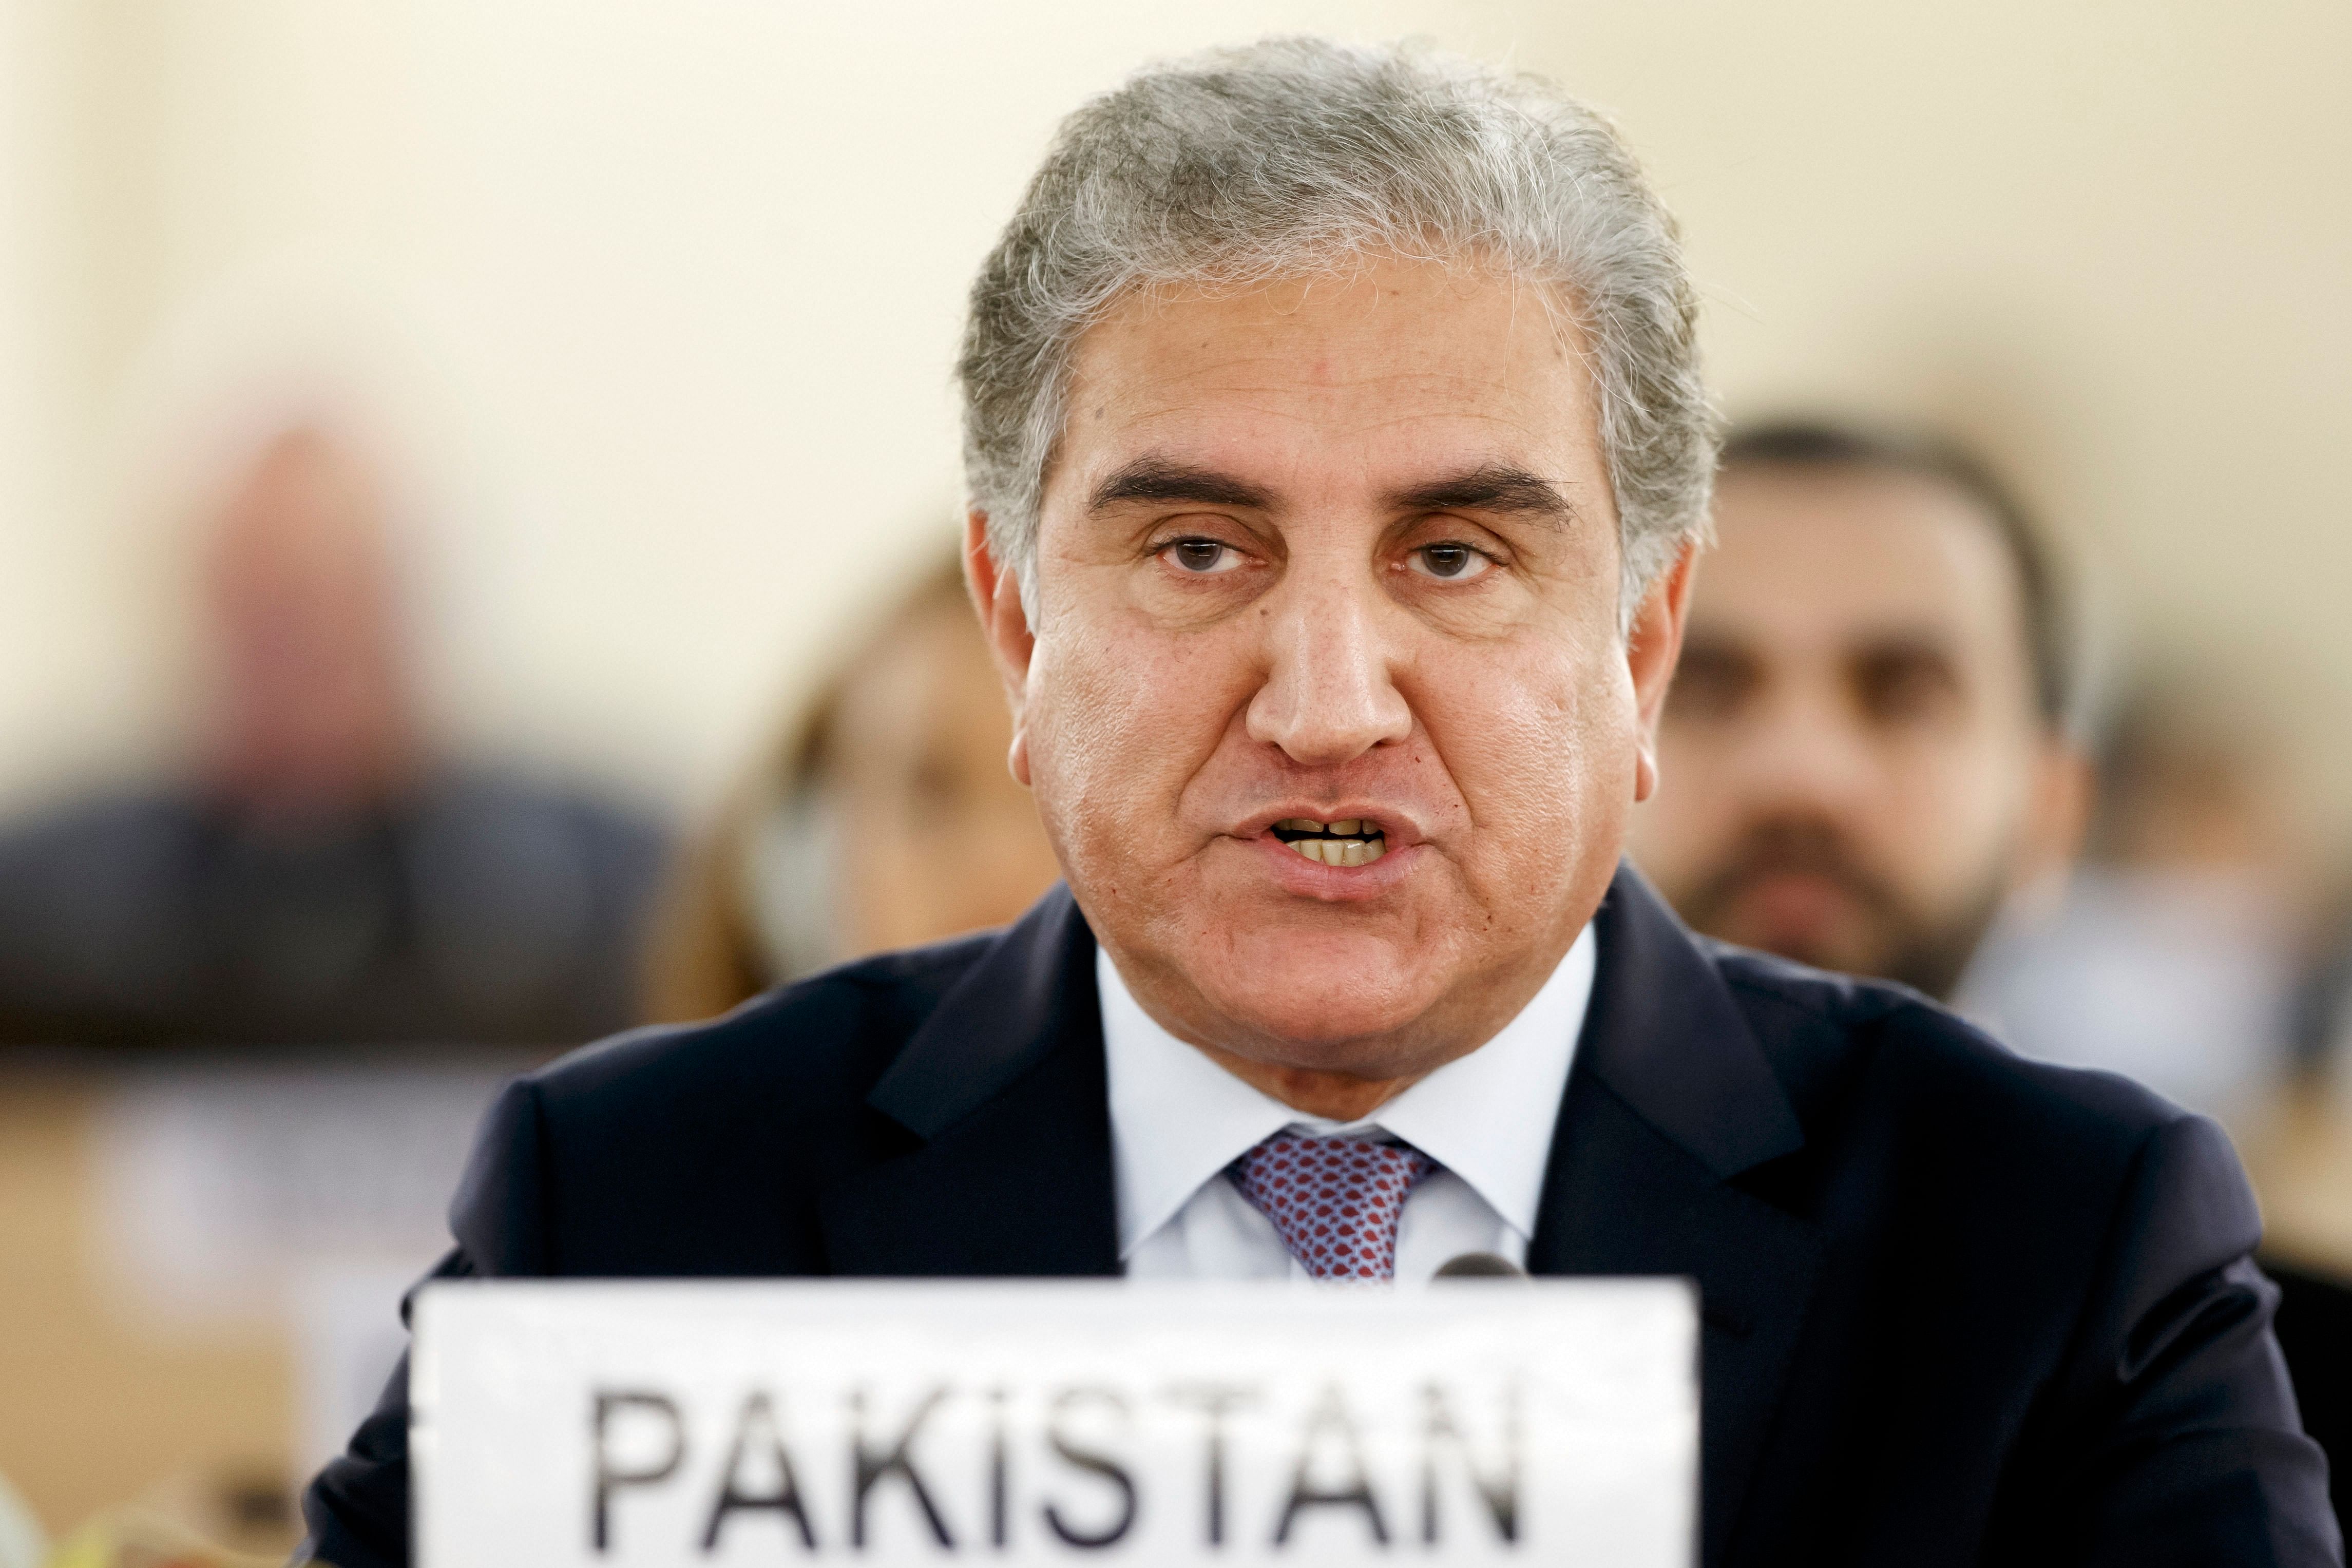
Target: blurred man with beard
column 1864, row 752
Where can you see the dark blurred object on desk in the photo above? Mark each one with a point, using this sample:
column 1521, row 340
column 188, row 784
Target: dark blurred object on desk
column 321, row 876
column 887, row 817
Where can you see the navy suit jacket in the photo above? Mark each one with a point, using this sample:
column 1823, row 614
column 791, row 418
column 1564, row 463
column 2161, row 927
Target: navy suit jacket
column 1957, row 1308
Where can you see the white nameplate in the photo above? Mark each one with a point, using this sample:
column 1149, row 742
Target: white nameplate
column 571, row 1422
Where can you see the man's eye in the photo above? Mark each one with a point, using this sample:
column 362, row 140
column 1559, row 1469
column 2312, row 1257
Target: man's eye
column 1201, row 557
column 1452, row 562
column 1906, row 689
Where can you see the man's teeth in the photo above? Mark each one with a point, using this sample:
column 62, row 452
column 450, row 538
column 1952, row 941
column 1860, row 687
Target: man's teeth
column 1351, row 841
column 1341, row 851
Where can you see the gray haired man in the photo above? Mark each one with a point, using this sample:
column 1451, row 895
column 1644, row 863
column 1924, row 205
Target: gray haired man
column 1338, row 456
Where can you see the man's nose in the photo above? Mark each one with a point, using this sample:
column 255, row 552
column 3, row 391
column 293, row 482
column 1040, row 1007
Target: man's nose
column 1328, row 697
column 1810, row 753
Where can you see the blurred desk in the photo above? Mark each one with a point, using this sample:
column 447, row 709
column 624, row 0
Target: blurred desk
column 203, row 1260
column 95, row 1410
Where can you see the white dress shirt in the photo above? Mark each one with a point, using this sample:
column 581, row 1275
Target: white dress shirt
column 1178, row 1119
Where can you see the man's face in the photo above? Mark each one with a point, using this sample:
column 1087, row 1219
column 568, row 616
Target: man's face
column 313, row 705
column 1856, row 775
column 1339, row 553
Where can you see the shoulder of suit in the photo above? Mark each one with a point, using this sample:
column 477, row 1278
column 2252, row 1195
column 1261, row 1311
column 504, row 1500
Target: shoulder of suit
column 823, row 1039
column 1843, row 1046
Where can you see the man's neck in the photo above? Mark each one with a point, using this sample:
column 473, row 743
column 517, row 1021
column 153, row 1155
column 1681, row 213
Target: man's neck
column 1337, row 1097
column 1395, row 1065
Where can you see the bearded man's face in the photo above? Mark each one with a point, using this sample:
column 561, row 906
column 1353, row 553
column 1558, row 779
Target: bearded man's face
column 1855, row 774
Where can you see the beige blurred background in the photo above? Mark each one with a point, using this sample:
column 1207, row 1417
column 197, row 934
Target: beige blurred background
column 661, row 300
column 654, row 306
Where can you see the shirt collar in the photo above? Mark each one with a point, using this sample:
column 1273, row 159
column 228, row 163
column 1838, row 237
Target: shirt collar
column 1178, row 1119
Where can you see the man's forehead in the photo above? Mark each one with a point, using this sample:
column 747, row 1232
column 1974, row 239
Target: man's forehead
column 1398, row 382
column 1825, row 556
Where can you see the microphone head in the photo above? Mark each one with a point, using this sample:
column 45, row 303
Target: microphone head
column 1479, row 1266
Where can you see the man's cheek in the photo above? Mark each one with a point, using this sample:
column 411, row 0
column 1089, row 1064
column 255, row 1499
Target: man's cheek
column 1531, row 759
column 1105, row 753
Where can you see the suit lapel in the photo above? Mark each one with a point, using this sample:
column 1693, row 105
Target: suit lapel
column 1670, row 1102
column 1004, row 1084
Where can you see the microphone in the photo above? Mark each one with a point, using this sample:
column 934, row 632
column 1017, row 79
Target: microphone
column 1479, row 1266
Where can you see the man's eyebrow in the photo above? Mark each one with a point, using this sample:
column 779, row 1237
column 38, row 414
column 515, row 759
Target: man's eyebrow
column 1491, row 486
column 1164, row 480
column 1931, row 646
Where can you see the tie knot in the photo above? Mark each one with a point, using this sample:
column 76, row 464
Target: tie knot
column 1335, row 1202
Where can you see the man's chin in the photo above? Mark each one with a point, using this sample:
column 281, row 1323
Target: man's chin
column 1812, row 946
column 1245, row 963
column 1827, row 929
column 1321, row 1003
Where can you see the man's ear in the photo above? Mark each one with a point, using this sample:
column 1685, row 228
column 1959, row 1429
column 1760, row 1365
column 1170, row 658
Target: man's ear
column 2063, row 787
column 996, row 598
column 1653, row 643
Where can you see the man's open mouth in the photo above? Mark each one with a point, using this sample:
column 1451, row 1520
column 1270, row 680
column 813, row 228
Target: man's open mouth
column 1351, row 841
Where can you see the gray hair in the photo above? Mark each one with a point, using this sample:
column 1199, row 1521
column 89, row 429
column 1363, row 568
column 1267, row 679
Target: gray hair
column 1292, row 155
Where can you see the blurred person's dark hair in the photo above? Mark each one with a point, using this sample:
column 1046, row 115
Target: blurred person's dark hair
column 884, row 817
column 2052, row 636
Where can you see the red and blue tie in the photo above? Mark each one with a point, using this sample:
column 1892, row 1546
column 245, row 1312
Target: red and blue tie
column 1335, row 1202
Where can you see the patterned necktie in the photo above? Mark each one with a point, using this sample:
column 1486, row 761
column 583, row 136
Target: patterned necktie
column 1335, row 1202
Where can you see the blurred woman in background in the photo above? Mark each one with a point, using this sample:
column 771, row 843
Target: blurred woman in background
column 886, row 816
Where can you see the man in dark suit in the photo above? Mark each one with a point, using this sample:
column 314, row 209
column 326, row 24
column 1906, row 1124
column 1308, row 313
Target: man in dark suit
column 320, row 873
column 1339, row 458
